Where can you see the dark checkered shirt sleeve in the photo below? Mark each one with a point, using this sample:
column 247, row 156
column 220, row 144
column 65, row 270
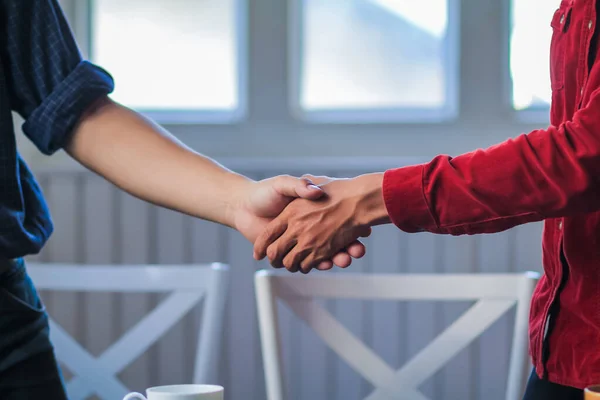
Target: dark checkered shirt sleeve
column 49, row 84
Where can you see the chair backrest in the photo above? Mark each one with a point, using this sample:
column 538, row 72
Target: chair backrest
column 187, row 285
column 494, row 294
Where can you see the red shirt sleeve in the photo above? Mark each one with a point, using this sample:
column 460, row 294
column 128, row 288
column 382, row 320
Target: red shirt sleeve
column 545, row 174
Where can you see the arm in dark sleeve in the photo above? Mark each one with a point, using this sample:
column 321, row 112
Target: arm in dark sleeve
column 49, row 83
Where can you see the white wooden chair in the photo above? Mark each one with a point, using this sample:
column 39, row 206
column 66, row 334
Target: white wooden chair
column 494, row 294
column 188, row 286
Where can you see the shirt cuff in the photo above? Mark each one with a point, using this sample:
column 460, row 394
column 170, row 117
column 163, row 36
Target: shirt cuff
column 405, row 200
column 52, row 122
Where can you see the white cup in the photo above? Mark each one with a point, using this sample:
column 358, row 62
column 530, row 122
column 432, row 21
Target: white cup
column 180, row 392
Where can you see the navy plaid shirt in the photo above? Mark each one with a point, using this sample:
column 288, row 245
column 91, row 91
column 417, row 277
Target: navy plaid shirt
column 45, row 80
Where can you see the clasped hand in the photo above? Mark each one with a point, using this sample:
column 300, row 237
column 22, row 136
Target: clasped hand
column 309, row 232
column 253, row 205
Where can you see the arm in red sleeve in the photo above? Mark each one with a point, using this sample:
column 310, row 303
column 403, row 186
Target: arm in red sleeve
column 544, row 174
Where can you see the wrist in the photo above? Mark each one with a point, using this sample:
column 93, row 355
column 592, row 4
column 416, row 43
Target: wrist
column 371, row 204
column 238, row 187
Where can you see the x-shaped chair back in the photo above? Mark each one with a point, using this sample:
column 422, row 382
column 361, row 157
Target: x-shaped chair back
column 187, row 285
column 494, row 295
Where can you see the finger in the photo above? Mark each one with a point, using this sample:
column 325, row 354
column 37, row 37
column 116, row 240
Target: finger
column 272, row 232
column 290, row 186
column 311, row 262
column 279, row 250
column 342, row 260
column 318, row 180
column 325, row 266
column 356, row 249
column 294, row 258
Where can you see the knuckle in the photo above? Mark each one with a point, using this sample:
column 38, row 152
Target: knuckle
column 276, row 263
column 272, row 253
column 291, row 262
column 307, row 264
column 295, row 261
column 269, row 232
column 311, row 242
column 290, row 268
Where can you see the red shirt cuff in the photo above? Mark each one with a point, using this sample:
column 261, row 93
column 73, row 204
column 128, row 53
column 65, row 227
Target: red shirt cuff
column 405, row 200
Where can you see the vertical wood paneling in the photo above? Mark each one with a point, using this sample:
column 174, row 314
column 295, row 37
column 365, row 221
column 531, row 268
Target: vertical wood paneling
column 97, row 224
column 528, row 254
column 152, row 236
column 205, row 245
column 387, row 328
column 312, row 382
column 172, row 347
column 347, row 382
column 134, row 225
column 421, row 317
column 99, row 217
column 494, row 257
column 244, row 378
column 367, row 307
column 457, row 377
column 355, row 315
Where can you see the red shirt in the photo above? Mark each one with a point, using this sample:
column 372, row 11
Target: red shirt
column 549, row 174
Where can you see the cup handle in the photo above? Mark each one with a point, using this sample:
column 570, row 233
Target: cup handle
column 133, row 396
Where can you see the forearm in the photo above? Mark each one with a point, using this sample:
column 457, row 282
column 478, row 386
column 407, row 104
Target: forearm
column 147, row 162
column 548, row 173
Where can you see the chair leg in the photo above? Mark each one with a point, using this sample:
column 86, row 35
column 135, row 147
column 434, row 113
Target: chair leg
column 269, row 335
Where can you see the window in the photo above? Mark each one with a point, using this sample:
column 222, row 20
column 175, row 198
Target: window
column 370, row 58
column 170, row 55
column 530, row 53
column 350, row 61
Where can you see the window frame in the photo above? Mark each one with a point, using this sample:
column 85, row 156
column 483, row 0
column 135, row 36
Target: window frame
column 408, row 115
column 84, row 30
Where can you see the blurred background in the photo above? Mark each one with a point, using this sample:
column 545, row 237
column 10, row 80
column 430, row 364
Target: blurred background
column 337, row 87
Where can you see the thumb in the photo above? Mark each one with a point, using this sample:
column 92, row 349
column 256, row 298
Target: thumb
column 318, row 180
column 290, row 186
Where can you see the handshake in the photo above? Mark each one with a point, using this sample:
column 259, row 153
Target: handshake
column 311, row 222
